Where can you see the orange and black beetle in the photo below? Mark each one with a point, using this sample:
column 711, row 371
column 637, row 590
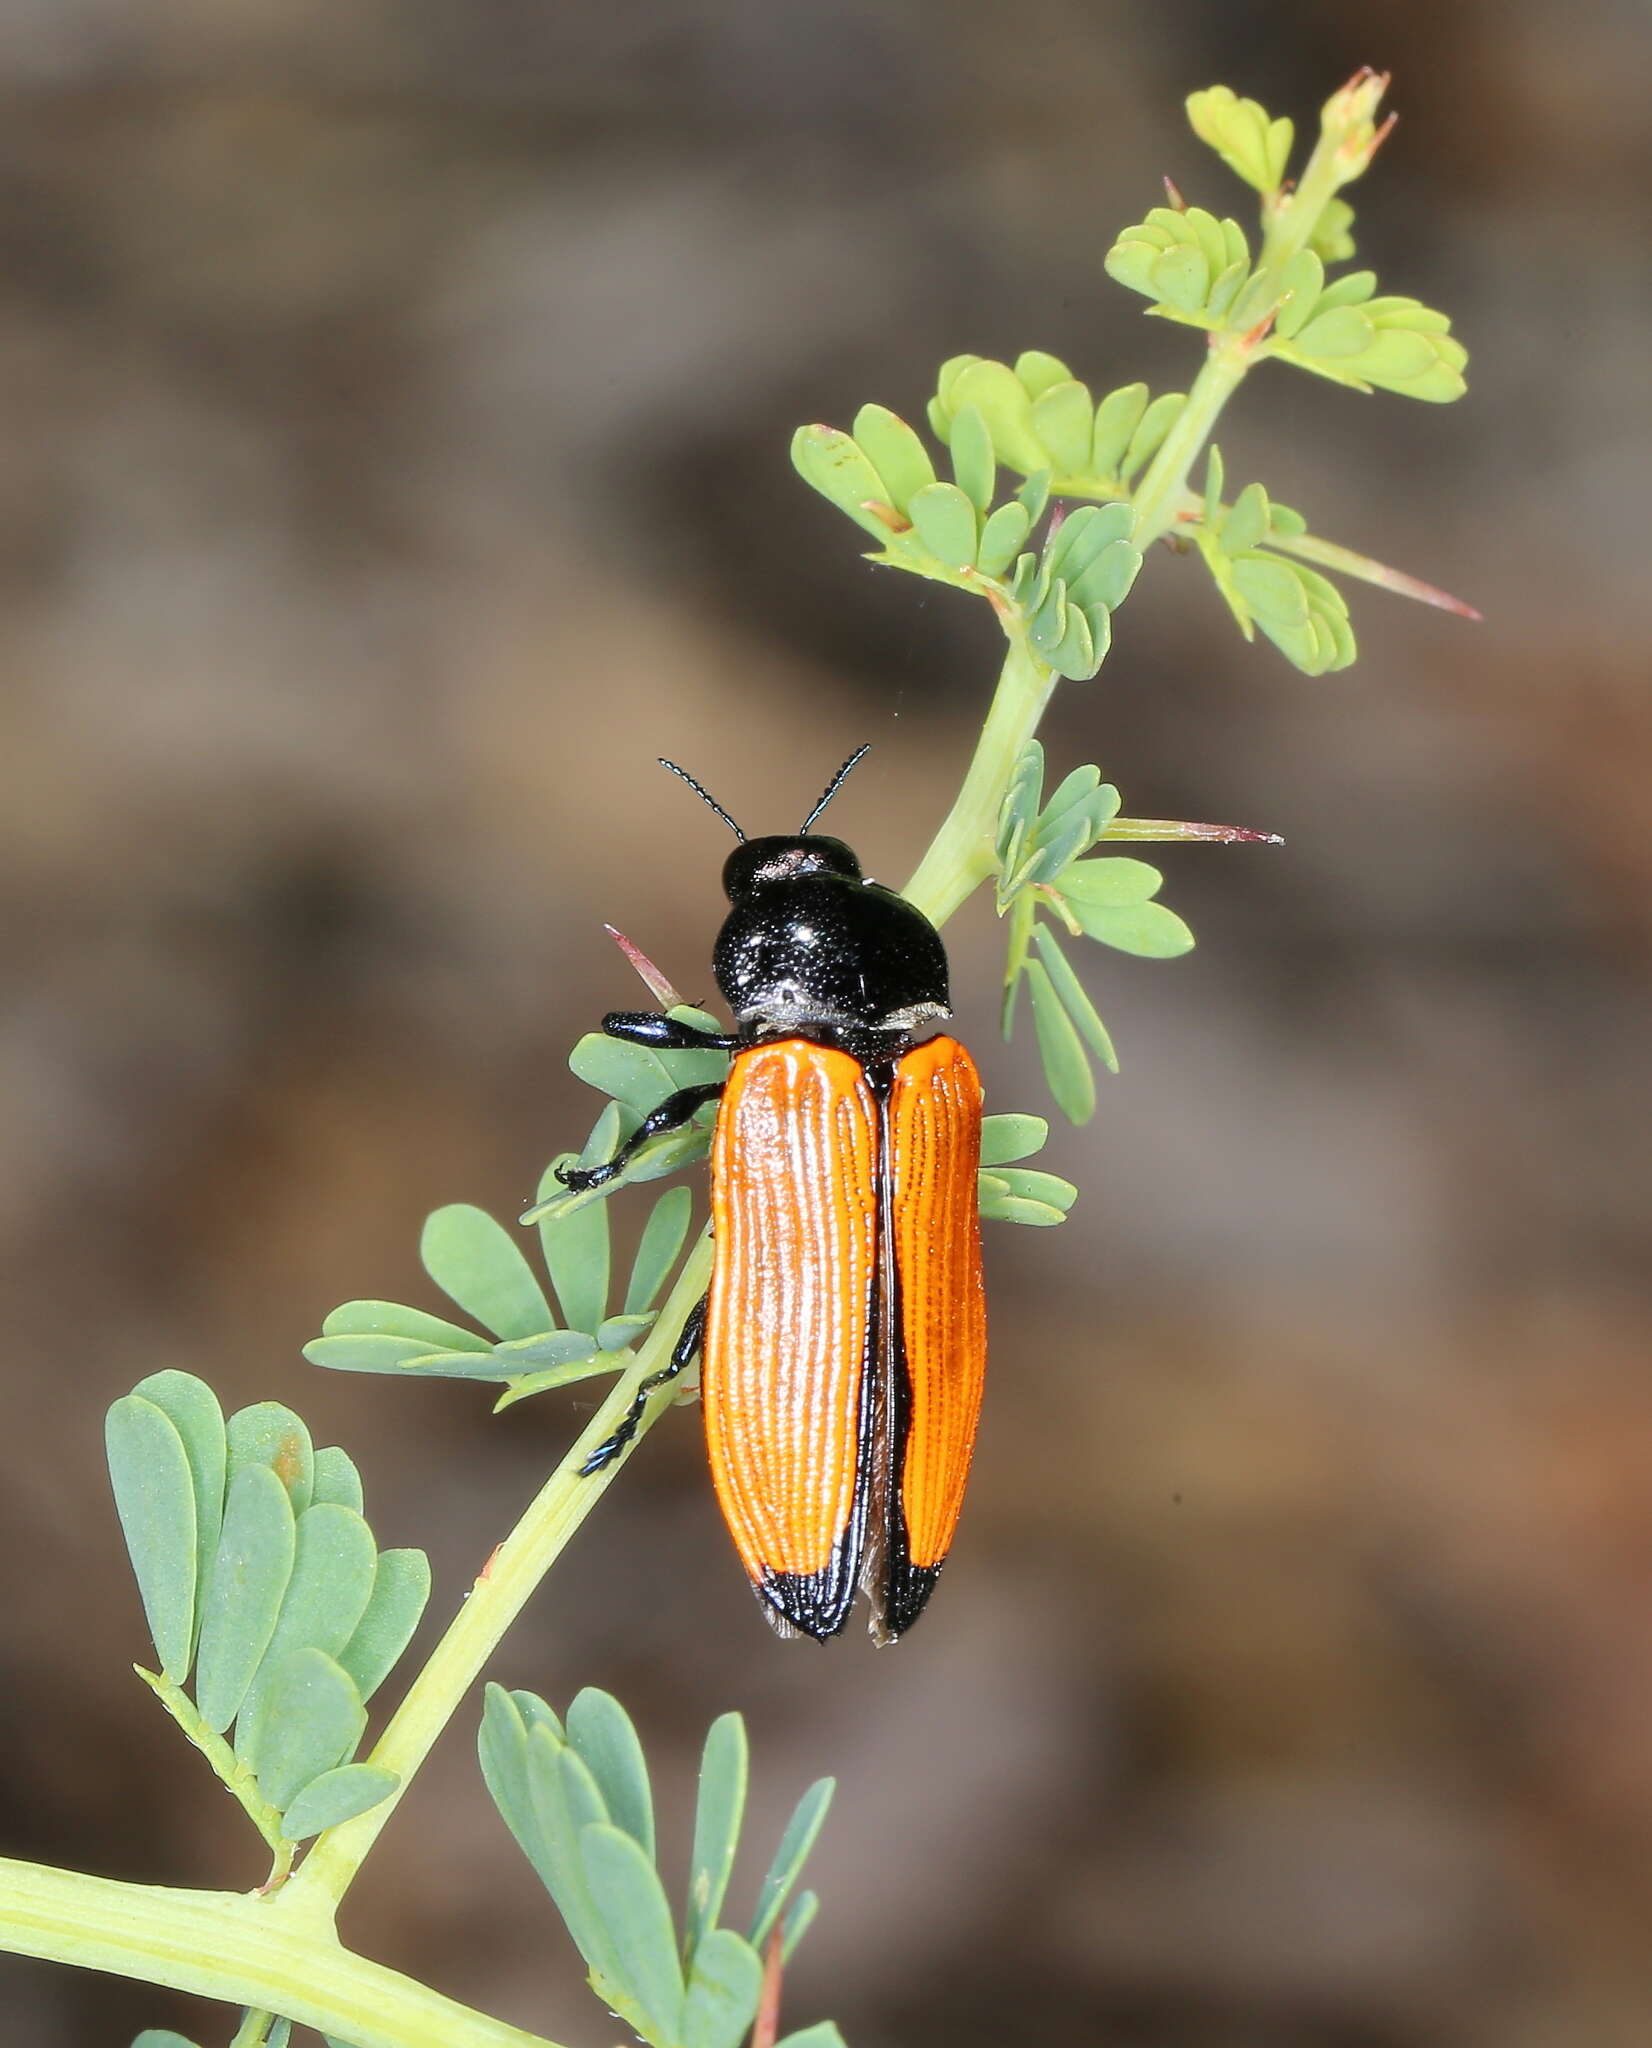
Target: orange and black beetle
column 843, row 1337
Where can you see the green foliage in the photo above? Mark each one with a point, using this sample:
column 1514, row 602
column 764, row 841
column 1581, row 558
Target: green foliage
column 1109, row 899
column 1191, row 264
column 948, row 531
column 1027, row 1197
column 1036, row 843
column 1345, row 332
column 1012, row 1194
column 1302, row 612
column 1045, row 422
column 1061, row 597
column 1006, row 1138
column 578, row 1800
column 1252, row 146
column 1037, row 419
column 1067, row 595
column 1198, row 269
column 280, row 1601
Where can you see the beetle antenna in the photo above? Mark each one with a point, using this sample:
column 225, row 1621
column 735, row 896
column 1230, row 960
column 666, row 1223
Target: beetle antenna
column 705, row 796
column 833, row 787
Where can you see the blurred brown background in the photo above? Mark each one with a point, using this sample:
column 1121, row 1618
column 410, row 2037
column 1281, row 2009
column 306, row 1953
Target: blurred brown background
column 395, row 401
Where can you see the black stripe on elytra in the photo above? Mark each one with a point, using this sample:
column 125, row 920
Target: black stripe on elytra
column 905, row 1587
column 899, row 1589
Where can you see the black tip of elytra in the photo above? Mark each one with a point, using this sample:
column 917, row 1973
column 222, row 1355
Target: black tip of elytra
column 908, row 1594
column 815, row 1604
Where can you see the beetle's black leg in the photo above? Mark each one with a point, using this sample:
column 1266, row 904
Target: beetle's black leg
column 681, row 1352
column 672, row 1112
column 665, row 1034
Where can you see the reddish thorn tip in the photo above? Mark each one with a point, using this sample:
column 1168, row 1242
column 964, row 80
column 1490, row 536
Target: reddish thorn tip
column 657, row 984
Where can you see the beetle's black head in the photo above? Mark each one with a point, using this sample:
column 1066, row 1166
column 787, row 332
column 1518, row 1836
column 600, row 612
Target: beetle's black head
column 808, row 946
column 757, row 864
column 811, row 947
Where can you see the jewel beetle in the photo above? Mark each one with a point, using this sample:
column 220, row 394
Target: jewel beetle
column 843, row 1336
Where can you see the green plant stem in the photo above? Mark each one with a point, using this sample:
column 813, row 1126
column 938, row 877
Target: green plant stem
column 241, row 1949
column 1293, row 221
column 494, row 1602
column 961, row 856
column 1157, row 498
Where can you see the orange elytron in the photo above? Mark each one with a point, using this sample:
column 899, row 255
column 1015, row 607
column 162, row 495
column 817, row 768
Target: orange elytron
column 845, row 1333
column 843, row 1338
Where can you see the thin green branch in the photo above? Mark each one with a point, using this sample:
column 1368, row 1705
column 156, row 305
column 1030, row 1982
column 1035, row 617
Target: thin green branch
column 961, row 855
column 242, row 1949
column 236, row 1776
column 1158, row 495
column 498, row 1596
